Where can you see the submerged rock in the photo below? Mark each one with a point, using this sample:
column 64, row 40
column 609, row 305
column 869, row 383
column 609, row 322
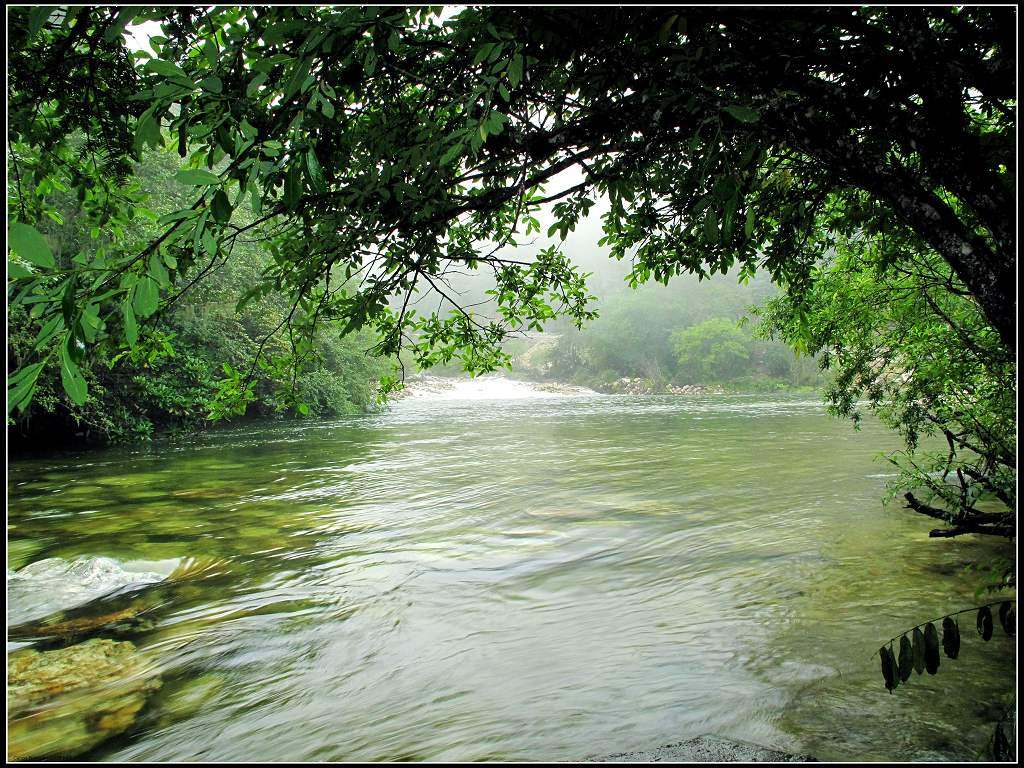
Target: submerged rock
column 125, row 605
column 47, row 586
column 707, row 749
column 182, row 698
column 63, row 702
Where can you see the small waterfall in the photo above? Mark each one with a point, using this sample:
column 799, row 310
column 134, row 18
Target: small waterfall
column 486, row 388
column 54, row 584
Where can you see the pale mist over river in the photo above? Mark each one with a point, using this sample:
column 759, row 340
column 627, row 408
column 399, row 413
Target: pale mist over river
column 517, row 574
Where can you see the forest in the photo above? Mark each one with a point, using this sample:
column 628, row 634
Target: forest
column 707, row 246
column 168, row 383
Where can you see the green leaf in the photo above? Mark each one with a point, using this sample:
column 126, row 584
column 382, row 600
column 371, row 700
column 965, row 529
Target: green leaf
column 26, row 241
column 209, row 244
column 16, row 271
column 90, row 323
column 298, row 77
column 316, row 174
column 515, row 70
column 210, row 52
column 147, row 132
column 52, row 327
column 37, row 18
column 221, row 207
column 213, row 84
column 255, row 83
column 147, row 297
column 165, row 68
column 666, row 27
column 158, row 271
column 21, row 386
column 711, row 227
column 67, row 302
column 131, row 326
column 196, row 177
column 918, row 636
column 743, row 114
column 950, row 637
column 985, row 623
column 931, row 649
column 452, row 153
column 71, row 377
column 293, row 187
column 185, row 213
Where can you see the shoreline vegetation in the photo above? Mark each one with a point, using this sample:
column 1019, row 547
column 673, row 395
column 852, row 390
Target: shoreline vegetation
column 239, row 215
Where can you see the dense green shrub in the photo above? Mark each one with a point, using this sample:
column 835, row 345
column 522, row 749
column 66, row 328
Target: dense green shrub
column 171, row 379
column 686, row 333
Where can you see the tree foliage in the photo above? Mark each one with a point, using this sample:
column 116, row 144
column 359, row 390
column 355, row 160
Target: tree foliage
column 181, row 371
column 380, row 148
column 905, row 339
column 633, row 336
column 715, row 350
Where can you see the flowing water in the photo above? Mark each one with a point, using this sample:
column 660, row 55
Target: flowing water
column 549, row 578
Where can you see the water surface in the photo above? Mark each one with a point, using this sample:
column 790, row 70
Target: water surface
column 530, row 579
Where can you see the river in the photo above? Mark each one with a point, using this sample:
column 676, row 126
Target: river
column 530, row 578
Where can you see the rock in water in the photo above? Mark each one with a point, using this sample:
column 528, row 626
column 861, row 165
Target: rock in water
column 707, row 749
column 62, row 703
column 182, row 698
column 51, row 585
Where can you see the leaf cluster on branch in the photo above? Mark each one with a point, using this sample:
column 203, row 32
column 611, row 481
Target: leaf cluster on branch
column 919, row 649
column 382, row 149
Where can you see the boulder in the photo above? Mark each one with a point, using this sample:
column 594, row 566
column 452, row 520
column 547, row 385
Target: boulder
column 707, row 749
column 63, row 702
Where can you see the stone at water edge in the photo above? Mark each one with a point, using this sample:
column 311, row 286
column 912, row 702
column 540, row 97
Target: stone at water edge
column 707, row 749
column 64, row 702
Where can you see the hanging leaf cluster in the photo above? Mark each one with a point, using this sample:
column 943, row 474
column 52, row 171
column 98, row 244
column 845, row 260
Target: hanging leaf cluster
column 919, row 650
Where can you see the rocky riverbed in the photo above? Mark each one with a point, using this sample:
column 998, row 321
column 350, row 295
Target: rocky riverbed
column 63, row 702
column 73, row 682
column 427, row 386
column 638, row 386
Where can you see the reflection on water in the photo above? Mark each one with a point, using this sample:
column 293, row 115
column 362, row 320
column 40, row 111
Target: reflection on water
column 539, row 579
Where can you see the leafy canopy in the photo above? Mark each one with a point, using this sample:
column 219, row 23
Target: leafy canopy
column 379, row 149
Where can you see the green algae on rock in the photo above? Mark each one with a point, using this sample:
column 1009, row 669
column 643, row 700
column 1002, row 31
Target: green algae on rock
column 63, row 702
column 181, row 698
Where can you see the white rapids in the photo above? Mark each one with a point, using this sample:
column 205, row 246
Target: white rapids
column 55, row 584
column 486, row 388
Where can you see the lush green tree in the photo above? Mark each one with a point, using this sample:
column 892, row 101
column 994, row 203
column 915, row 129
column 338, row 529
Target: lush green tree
column 634, row 334
column 631, row 337
column 173, row 377
column 713, row 351
column 907, row 340
column 381, row 147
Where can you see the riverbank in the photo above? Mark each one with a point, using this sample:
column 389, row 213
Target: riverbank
column 487, row 387
column 529, row 382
